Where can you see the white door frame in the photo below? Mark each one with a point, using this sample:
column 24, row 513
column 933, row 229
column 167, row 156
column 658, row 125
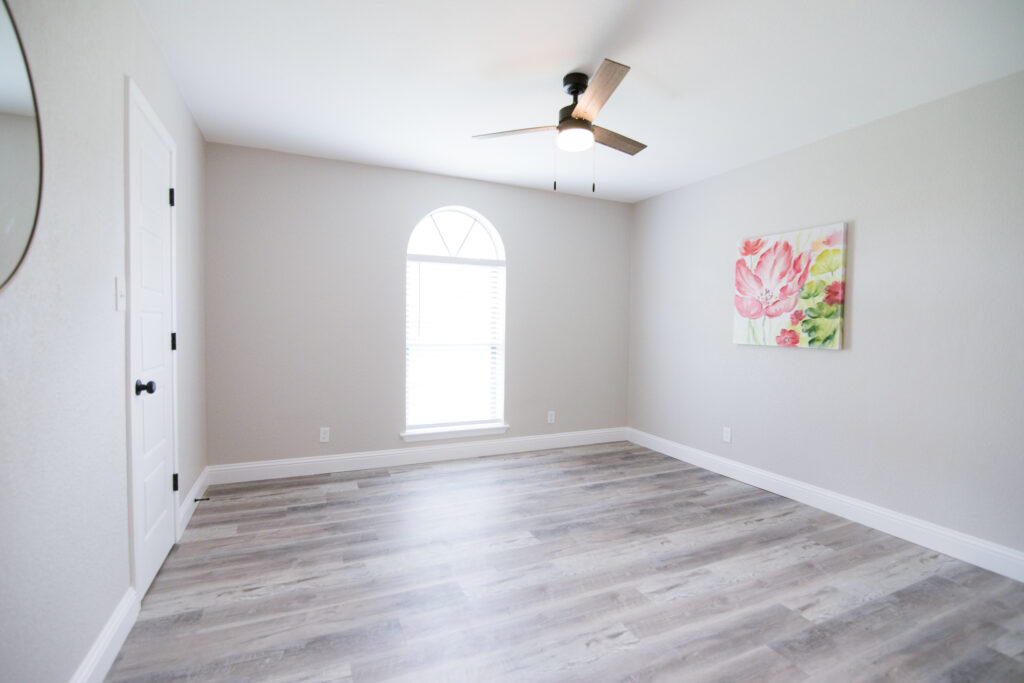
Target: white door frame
column 134, row 97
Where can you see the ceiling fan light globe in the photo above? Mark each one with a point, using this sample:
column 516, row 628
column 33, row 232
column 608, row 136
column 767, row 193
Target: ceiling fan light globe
column 575, row 138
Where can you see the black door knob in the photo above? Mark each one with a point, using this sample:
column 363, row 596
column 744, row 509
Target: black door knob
column 148, row 387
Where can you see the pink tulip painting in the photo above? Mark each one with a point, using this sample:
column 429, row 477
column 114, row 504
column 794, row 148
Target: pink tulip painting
column 773, row 287
column 789, row 289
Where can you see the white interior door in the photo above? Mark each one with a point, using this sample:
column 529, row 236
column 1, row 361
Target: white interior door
column 150, row 309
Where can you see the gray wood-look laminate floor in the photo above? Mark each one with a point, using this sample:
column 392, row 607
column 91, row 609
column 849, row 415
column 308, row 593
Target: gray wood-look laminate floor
column 600, row 563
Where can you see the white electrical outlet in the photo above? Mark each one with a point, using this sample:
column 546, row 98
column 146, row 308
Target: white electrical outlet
column 325, row 434
column 551, row 417
column 727, row 434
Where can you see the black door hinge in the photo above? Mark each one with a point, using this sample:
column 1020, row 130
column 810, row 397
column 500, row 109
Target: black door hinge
column 172, row 196
column 174, row 341
column 174, row 481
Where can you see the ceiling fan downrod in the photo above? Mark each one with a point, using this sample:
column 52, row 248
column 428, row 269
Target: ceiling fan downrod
column 574, row 84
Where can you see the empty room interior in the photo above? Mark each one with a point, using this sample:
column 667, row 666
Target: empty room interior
column 512, row 341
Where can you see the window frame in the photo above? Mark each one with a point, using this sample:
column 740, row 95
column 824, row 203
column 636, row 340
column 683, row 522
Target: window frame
column 469, row 428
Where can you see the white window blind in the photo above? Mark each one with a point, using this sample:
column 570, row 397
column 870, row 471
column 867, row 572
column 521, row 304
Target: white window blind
column 455, row 323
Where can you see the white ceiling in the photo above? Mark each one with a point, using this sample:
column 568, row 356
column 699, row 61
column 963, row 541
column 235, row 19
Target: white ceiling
column 715, row 84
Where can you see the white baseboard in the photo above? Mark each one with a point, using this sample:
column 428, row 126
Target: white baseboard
column 187, row 506
column 103, row 652
column 979, row 552
column 413, row 455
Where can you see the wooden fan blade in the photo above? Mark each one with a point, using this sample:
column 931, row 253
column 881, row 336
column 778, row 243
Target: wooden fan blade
column 599, row 89
column 517, row 131
column 610, row 138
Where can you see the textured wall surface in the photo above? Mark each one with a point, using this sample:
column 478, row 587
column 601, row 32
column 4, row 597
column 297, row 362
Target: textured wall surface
column 63, row 389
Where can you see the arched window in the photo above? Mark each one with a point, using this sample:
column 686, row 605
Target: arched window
column 455, row 327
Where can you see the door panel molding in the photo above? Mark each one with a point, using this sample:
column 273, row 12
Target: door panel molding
column 150, row 154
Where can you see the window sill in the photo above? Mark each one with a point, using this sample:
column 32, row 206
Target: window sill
column 433, row 433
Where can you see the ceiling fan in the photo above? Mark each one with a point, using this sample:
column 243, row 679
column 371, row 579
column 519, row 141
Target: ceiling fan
column 576, row 129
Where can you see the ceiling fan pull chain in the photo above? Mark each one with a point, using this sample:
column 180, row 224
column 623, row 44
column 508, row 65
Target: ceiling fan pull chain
column 593, row 170
column 554, row 169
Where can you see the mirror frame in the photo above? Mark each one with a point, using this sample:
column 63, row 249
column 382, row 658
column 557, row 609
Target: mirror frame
column 39, row 148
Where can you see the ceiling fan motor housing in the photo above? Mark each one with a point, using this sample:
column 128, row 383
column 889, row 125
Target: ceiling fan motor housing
column 565, row 113
column 566, row 120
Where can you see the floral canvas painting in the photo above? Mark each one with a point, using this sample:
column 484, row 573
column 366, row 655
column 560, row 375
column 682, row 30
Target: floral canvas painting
column 790, row 289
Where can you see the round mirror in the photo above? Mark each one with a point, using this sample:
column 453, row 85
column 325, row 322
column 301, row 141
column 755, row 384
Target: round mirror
column 19, row 151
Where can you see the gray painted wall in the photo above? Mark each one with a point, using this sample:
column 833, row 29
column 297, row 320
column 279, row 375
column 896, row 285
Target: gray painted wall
column 921, row 412
column 302, row 280
column 306, row 303
column 64, row 557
